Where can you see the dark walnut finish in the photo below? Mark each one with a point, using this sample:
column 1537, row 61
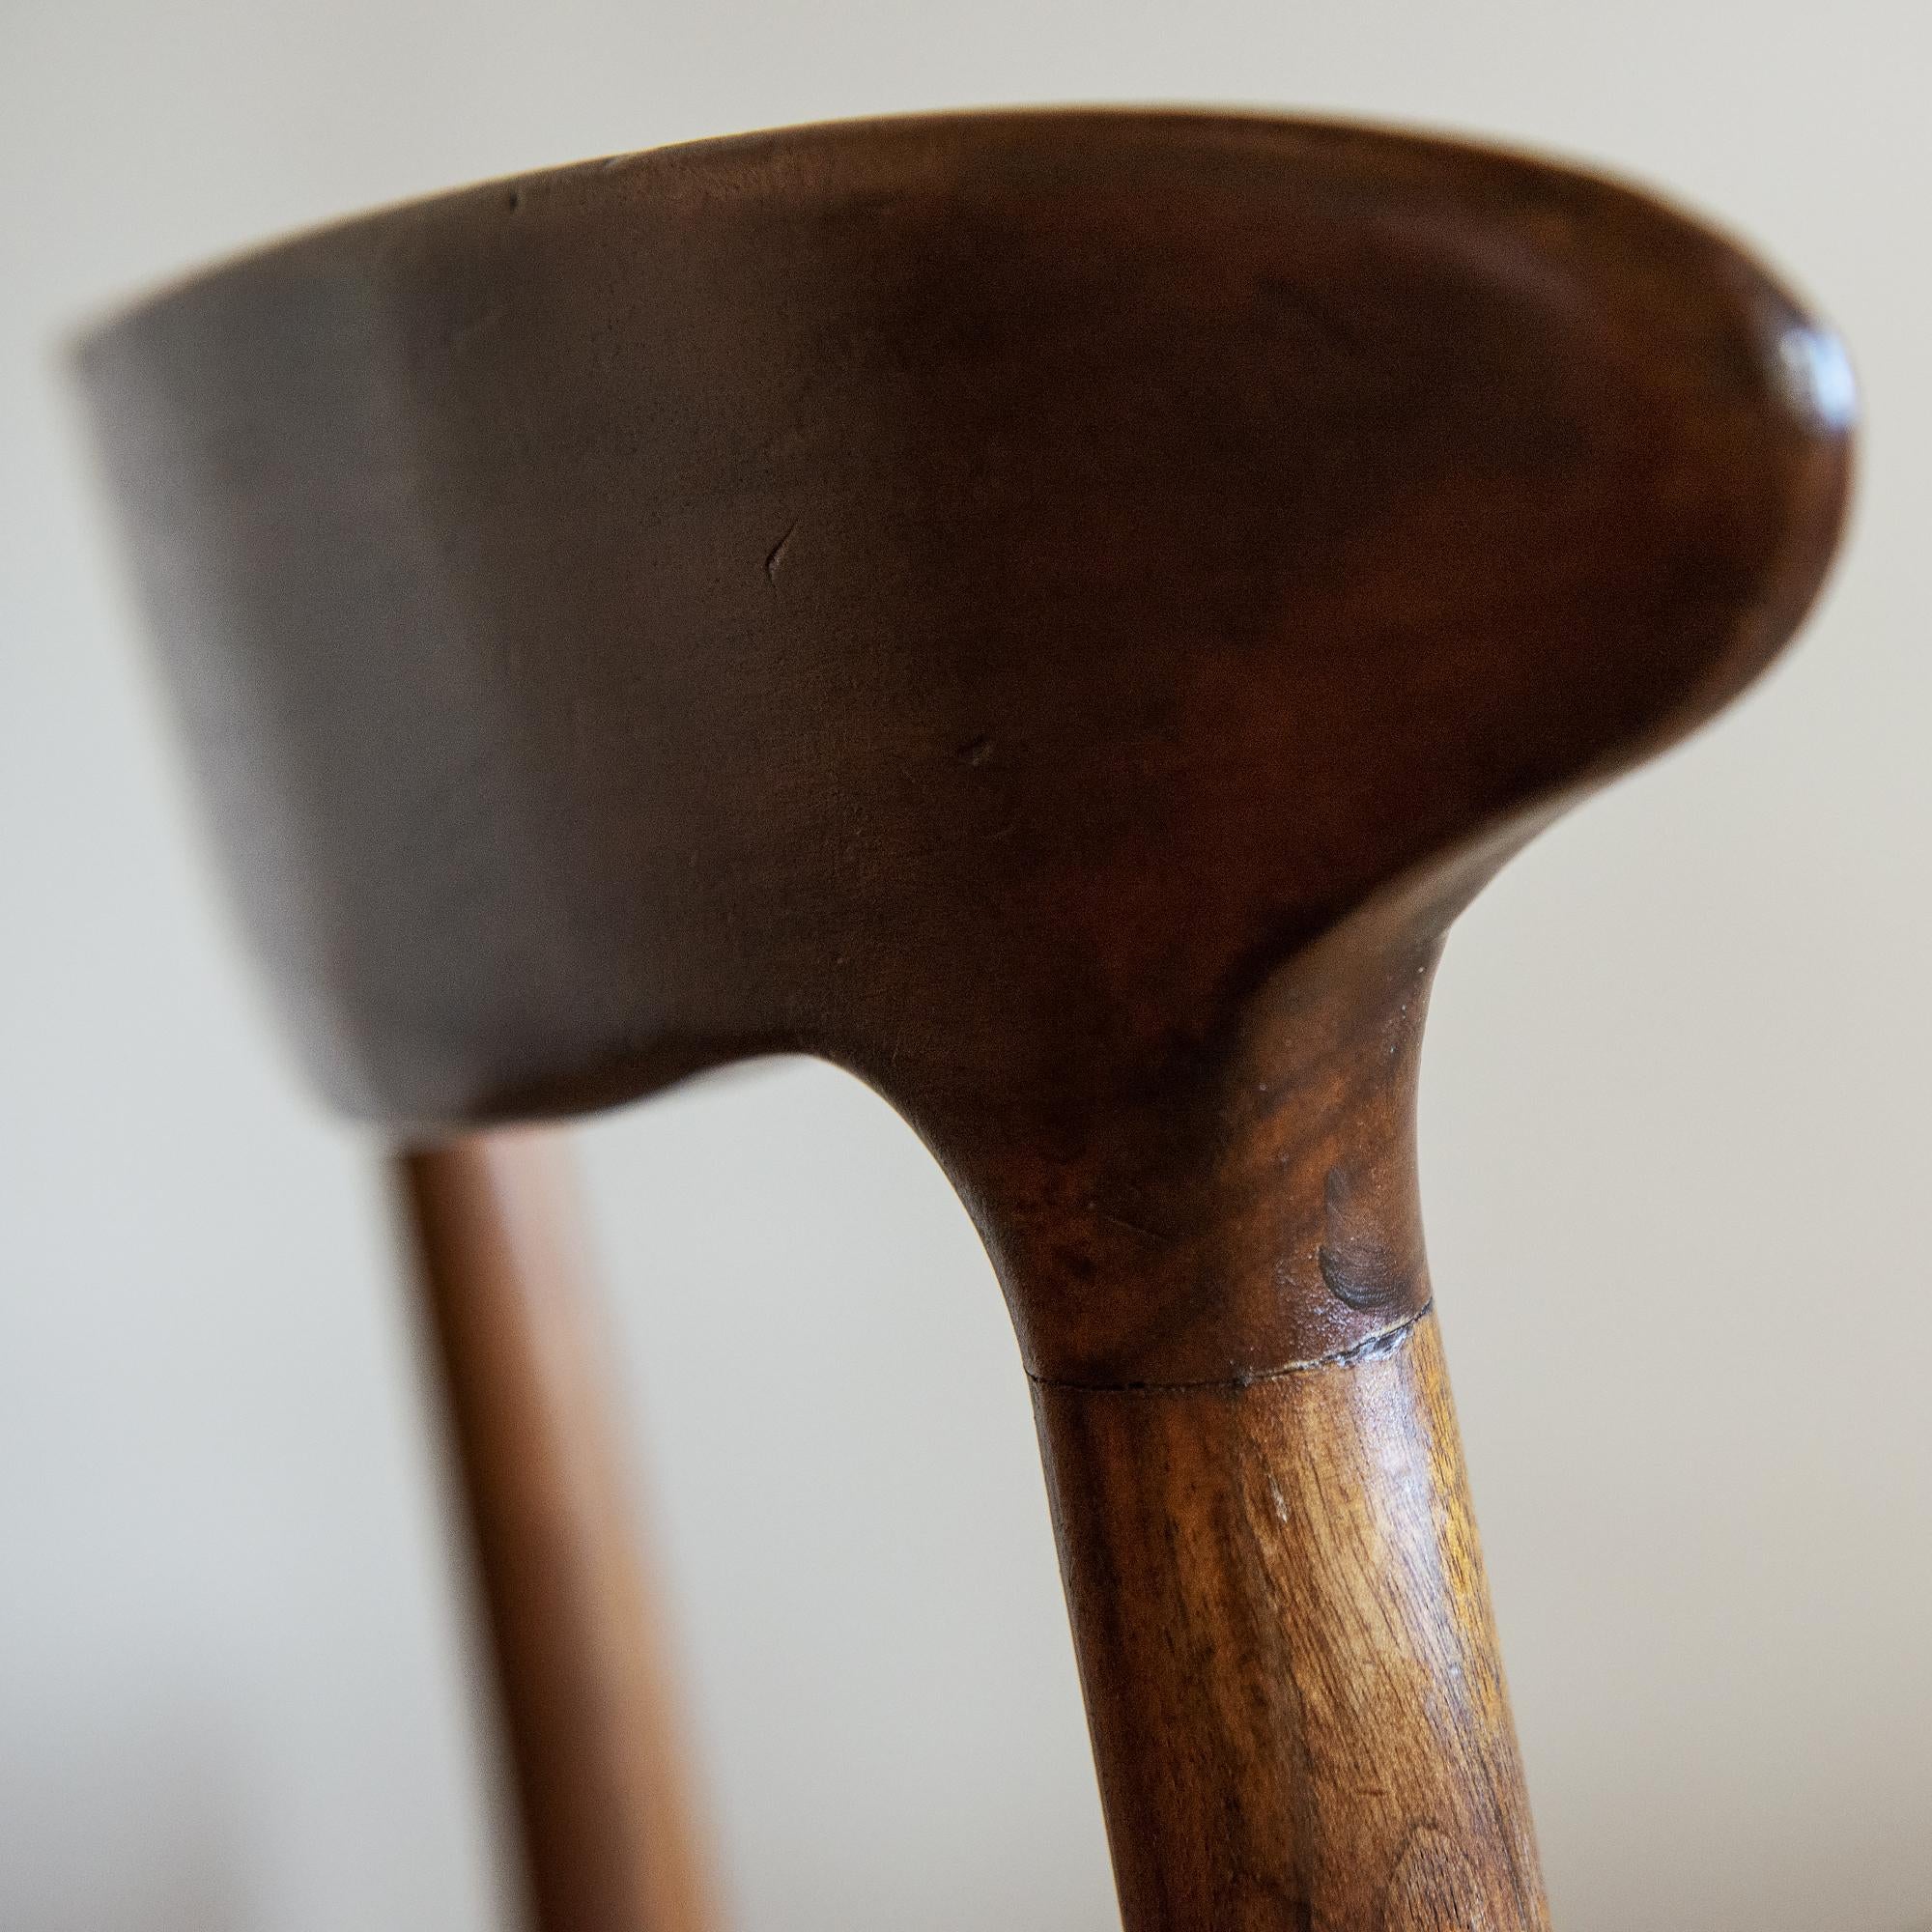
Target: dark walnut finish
column 1055, row 613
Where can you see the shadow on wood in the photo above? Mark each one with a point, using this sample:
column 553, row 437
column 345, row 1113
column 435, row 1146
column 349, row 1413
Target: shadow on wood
column 1055, row 612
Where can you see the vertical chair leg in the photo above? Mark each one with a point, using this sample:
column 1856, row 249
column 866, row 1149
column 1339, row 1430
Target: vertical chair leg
column 1284, row 1634
column 609, row 1834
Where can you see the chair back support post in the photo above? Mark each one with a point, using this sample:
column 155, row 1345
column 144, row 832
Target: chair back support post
column 1055, row 613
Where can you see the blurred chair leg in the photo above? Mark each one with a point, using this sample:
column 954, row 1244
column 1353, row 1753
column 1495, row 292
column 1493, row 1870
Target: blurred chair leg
column 610, row 1836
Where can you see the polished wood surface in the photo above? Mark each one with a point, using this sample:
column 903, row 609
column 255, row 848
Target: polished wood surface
column 1287, row 1651
column 609, row 1838
column 1056, row 613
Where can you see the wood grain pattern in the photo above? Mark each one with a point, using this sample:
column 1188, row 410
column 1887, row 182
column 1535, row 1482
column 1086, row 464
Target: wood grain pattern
column 1287, row 1651
column 610, row 1841
column 1055, row 613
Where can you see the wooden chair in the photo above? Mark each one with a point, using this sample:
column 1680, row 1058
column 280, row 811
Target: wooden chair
column 1053, row 612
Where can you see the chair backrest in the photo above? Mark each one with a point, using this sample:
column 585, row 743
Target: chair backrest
column 1020, row 604
column 1056, row 612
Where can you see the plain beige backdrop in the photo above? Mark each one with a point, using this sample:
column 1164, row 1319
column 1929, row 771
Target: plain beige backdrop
column 1676, row 1086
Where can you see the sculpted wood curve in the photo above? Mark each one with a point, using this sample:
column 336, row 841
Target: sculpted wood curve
column 1055, row 612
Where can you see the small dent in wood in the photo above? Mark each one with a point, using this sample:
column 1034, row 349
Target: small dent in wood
column 1121, row 1221
column 1356, row 1266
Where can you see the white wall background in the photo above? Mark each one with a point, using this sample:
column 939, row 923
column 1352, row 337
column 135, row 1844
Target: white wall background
column 1675, row 1086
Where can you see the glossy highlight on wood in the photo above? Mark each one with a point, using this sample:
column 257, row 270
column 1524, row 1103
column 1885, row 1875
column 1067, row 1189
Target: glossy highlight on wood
column 1287, row 1650
column 1055, row 612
